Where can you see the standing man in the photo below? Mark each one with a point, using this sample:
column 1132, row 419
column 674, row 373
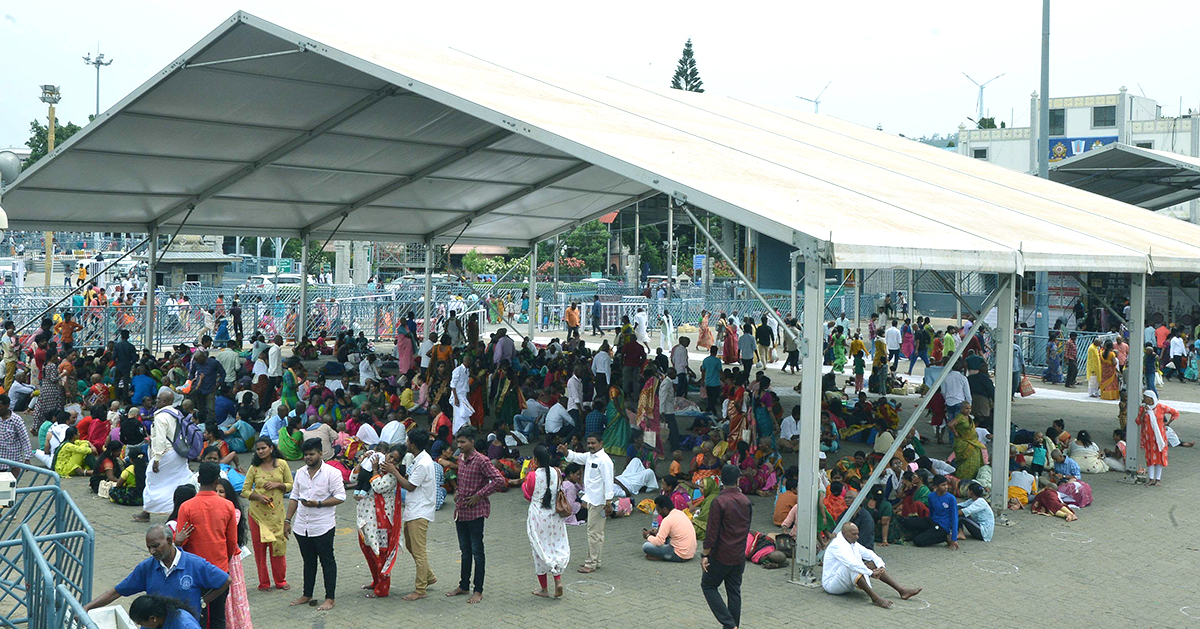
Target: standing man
column 207, row 376
column 126, row 355
column 477, row 479
column 710, row 369
column 318, row 488
column 235, row 313
column 275, row 365
column 765, row 337
column 1072, row 358
column 633, row 356
column 575, row 397
column 168, row 469
column 230, row 361
column 210, row 525
column 571, row 317
column 11, row 351
column 602, row 369
column 597, row 494
column 504, row 351
column 596, row 316
column 421, row 485
column 746, row 347
column 679, row 362
column 724, row 557
column 172, row 572
column 460, row 387
column 14, row 436
column 666, row 407
column 894, row 339
column 641, row 327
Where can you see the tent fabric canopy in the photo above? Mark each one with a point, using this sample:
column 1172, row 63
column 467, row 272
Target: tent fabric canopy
column 1147, row 178
column 258, row 129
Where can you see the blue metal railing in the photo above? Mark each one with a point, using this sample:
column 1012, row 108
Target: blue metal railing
column 46, row 554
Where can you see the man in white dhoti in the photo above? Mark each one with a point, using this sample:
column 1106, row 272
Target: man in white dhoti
column 641, row 323
column 635, row 479
column 167, row 469
column 849, row 565
column 666, row 339
column 460, row 388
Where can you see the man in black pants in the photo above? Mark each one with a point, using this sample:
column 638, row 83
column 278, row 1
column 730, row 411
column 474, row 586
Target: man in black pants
column 710, row 372
column 126, row 355
column 317, row 490
column 724, row 557
column 477, row 479
column 235, row 313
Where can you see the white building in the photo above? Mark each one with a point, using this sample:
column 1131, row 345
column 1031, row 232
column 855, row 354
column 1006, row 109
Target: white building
column 1083, row 123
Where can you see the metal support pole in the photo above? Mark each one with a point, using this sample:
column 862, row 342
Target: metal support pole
column 912, row 297
column 49, row 236
column 795, row 279
column 151, row 286
column 1005, row 342
column 428, row 305
column 557, row 248
column 1100, row 298
column 1135, row 372
column 670, row 246
column 804, row 569
column 302, row 308
column 958, row 304
column 908, row 425
column 635, row 268
column 1043, row 140
column 753, row 290
column 533, row 291
column 858, row 280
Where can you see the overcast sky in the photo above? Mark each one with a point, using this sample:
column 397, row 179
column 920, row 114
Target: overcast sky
column 898, row 64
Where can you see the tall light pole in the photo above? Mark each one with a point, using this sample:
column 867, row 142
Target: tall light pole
column 99, row 62
column 1041, row 299
column 50, row 96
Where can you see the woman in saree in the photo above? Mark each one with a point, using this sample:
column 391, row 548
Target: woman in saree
column 1087, row 454
column 1055, row 351
column 738, row 421
column 439, row 385
column 908, row 342
column 708, row 494
column 764, row 408
column 616, row 436
column 478, row 385
column 705, row 464
column 647, row 414
column 506, row 400
column 705, row 339
column 729, row 347
column 1110, row 381
column 377, row 516
column 289, row 389
column 968, row 451
column 404, row 350
column 838, row 341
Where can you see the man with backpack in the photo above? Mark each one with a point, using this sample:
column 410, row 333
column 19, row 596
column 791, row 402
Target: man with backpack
column 173, row 440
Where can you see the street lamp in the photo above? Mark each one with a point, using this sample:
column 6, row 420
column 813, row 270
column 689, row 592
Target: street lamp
column 99, row 62
column 50, row 96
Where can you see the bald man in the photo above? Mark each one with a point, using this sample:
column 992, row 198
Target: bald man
column 849, row 565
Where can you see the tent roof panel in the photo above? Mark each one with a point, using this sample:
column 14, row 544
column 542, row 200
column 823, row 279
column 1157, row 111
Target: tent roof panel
column 1147, row 178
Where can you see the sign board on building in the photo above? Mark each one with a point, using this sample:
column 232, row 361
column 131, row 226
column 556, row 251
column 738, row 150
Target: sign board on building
column 285, row 265
column 698, row 261
column 597, row 275
column 1062, row 148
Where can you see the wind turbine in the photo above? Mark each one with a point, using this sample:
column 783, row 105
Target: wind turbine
column 817, row 101
column 981, row 86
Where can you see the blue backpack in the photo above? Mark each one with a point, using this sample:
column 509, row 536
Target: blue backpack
column 188, row 441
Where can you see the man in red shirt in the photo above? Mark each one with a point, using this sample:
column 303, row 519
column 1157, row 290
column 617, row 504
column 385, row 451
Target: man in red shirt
column 207, row 525
column 633, row 357
column 477, row 479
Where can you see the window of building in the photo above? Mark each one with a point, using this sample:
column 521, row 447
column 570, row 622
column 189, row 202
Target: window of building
column 979, row 153
column 1058, row 122
column 1104, row 116
column 1145, row 145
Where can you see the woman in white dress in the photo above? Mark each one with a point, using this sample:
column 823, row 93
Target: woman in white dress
column 546, row 529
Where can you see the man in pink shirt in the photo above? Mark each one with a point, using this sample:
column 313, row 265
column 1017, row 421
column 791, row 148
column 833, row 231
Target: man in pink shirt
column 675, row 528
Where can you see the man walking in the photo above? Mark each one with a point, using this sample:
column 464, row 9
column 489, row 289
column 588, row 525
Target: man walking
column 679, row 362
column 210, row 525
column 421, row 485
column 207, row 376
column 126, row 355
column 275, row 365
column 1072, row 358
column 235, row 313
column 710, row 370
column 596, row 316
column 477, row 479
column 894, row 339
column 571, row 318
column 460, row 388
column 724, row 557
column 318, row 488
column 597, row 493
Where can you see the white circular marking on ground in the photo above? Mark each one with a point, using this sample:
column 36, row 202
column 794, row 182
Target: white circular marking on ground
column 996, row 567
column 1067, row 536
column 1190, row 611
column 1133, row 515
column 913, row 604
column 591, row 587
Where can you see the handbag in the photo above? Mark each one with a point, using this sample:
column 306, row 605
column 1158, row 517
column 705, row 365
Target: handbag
column 561, row 506
column 105, row 487
column 1026, row 387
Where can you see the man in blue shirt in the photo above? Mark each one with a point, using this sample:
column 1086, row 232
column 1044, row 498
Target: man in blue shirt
column 710, row 368
column 143, row 386
column 270, row 428
column 169, row 572
column 942, row 523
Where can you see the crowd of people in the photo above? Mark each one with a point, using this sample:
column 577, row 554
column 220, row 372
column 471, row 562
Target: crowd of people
column 455, row 414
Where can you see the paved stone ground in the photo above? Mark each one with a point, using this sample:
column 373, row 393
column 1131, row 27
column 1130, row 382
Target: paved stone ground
column 1132, row 560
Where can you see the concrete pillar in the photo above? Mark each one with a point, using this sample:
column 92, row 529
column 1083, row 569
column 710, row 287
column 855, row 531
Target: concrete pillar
column 341, row 262
column 362, row 262
column 1134, row 373
column 809, row 486
column 1002, row 424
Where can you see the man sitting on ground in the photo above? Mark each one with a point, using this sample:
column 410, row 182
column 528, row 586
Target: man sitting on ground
column 675, row 537
column 848, row 565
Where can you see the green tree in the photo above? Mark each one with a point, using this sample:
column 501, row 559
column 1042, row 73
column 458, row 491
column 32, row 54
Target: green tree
column 987, row 123
column 316, row 257
column 687, row 77
column 589, row 242
column 37, row 141
column 474, row 263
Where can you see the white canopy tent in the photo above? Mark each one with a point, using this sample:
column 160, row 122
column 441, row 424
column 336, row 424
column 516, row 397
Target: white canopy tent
column 260, row 129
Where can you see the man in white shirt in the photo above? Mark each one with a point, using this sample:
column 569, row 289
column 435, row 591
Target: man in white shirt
column 575, row 398
column 602, row 366
column 894, row 339
column 419, row 505
column 230, row 360
column 789, row 431
column 679, row 362
column 641, row 323
column 597, row 493
column 559, row 422
column 317, row 491
column 666, row 410
column 275, row 362
column 1179, row 353
column 393, row 433
column 367, row 370
column 460, row 388
column 850, row 565
column 955, row 390
column 424, row 350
